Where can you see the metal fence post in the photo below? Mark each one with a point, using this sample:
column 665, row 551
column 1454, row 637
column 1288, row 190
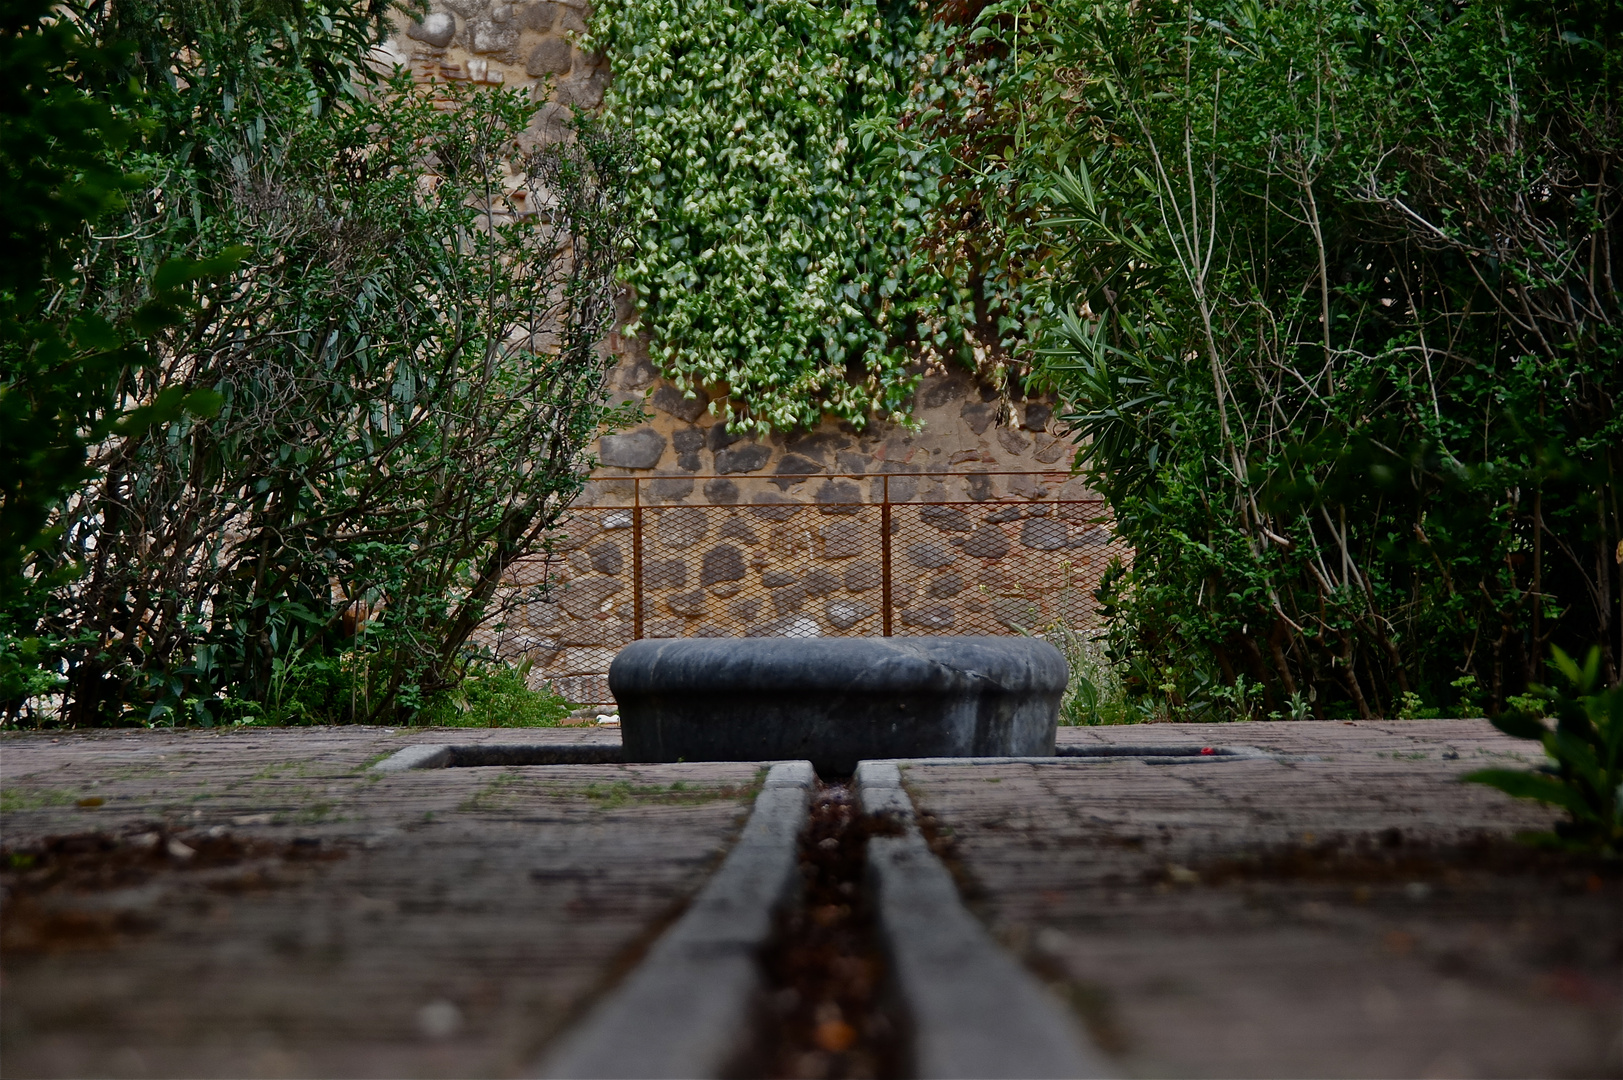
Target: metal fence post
column 884, row 550
column 636, row 558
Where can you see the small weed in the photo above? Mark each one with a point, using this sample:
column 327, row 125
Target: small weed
column 15, row 798
column 624, row 792
column 496, row 695
column 491, row 796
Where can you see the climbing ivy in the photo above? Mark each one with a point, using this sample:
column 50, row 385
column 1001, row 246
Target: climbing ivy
column 779, row 193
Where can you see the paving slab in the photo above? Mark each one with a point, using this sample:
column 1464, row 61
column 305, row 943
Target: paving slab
column 260, row 903
column 1346, row 908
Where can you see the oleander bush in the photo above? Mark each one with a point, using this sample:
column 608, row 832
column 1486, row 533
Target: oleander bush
column 1325, row 289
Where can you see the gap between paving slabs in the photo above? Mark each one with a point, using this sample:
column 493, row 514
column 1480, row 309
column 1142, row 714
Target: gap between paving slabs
column 476, row 755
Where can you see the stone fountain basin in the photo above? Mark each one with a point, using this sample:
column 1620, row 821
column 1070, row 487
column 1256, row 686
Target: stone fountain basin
column 837, row 701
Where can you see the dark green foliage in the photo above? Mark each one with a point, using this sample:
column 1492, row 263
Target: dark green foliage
column 1325, row 288
column 368, row 378
column 496, row 695
column 1585, row 745
column 68, row 122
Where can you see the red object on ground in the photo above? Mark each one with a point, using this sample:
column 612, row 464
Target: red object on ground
column 1207, row 750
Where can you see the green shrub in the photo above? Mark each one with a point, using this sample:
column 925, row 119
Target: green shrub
column 779, row 197
column 1308, row 275
column 1585, row 747
column 494, row 694
column 380, row 396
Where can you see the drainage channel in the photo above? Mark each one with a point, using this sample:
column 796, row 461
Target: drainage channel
column 830, row 1011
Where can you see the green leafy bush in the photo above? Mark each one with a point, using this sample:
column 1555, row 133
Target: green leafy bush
column 1585, row 747
column 495, row 695
column 778, row 198
column 399, row 355
column 1313, row 281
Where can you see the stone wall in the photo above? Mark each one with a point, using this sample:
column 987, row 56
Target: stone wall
column 778, row 535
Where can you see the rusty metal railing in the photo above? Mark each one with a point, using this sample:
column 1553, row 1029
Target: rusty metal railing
column 806, row 555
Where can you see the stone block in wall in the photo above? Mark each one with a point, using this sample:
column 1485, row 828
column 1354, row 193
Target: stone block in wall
column 668, row 399
column 634, row 373
column 553, row 56
column 770, row 506
column 586, row 598
column 1005, row 513
column 938, row 390
column 489, row 37
column 742, row 459
column 664, row 628
column 640, row 449
column 746, row 609
column 1044, row 534
column 944, row 587
column 793, row 626
column 820, row 581
column 840, row 540
column 539, row 17
column 571, row 20
column 788, row 601
column 606, row 557
column 720, row 492
column 1037, row 416
column 736, row 528
column 541, row 614
column 688, row 442
column 671, row 488
column 575, row 532
column 930, row 617
column 986, row 542
column 1090, row 536
column 978, row 415
column 838, row 497
column 860, row 577
column 665, row 573
column 680, row 527
column 851, row 461
column 689, row 605
column 978, row 486
column 817, row 445
column 846, row 614
column 436, row 29
column 1077, row 489
column 1012, row 441
column 946, row 518
column 721, row 563
column 719, row 438
column 598, row 632
column 792, row 470
column 930, row 556
column 778, row 578
column 1015, row 612
column 1052, row 450
column 1027, row 487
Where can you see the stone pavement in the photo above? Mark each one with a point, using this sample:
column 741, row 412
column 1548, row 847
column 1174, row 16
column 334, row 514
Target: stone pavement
column 273, row 910
column 1356, row 915
column 257, row 903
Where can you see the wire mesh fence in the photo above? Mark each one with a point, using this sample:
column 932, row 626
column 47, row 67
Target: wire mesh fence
column 805, row 555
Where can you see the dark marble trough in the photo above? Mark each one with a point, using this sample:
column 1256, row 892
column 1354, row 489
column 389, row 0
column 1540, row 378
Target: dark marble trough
column 837, row 701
